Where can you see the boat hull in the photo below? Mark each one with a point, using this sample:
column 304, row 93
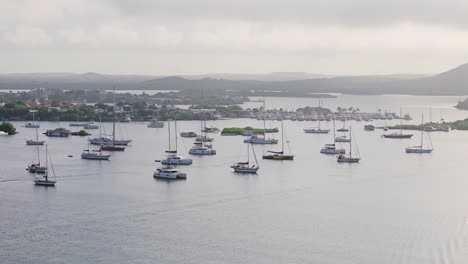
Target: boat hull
column 43, row 182
column 348, row 160
column 278, row 157
column 397, row 136
column 95, row 157
column 316, row 131
column 34, row 143
column 418, row 151
column 332, row 151
column 112, row 148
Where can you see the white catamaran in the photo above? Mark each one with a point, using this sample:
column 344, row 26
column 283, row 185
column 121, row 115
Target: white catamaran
column 172, row 158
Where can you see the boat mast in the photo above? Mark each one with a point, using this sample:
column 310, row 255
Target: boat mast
column 169, row 133
column 282, row 137
column 113, row 122
column 175, row 131
column 255, row 155
column 47, row 161
column 422, row 129
column 248, row 154
column 401, row 123
column 264, row 116
column 334, row 131
column 350, row 144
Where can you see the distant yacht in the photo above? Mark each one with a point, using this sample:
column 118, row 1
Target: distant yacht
column 342, row 139
column 244, row 166
column 331, row 148
column 348, row 158
column 279, row 155
column 172, row 158
column 35, row 125
column 188, row 134
column 32, row 125
column 78, row 124
column 44, row 180
column 421, row 149
column 343, row 129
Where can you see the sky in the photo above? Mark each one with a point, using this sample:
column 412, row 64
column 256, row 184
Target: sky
column 338, row 37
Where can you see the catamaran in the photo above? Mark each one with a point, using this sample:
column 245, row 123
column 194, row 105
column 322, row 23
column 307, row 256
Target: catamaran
column 279, row 155
column 43, row 179
column 200, row 148
column 348, row 158
column 331, row 148
column 244, row 166
column 172, row 158
column 421, row 149
column 169, row 172
column 94, row 155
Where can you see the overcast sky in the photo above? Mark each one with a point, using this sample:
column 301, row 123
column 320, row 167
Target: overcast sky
column 236, row 36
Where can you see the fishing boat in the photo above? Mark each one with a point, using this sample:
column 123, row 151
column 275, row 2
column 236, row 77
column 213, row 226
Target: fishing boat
column 169, row 172
column 396, row 135
column 172, row 158
column 420, row 149
column 331, row 148
column 156, row 124
column 279, row 155
column 348, row 158
column 44, row 179
column 244, row 166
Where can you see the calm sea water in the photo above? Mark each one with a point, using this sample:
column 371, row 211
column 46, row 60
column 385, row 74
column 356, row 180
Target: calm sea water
column 392, row 207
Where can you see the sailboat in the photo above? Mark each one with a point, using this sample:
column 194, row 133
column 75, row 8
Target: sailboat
column 396, row 134
column 203, row 130
column 109, row 144
column 331, row 148
column 155, row 124
column 343, row 129
column 34, row 124
column 420, row 149
column 279, row 155
column 36, row 142
column 172, row 158
column 36, row 167
column 94, row 154
column 77, row 124
column 255, row 139
column 44, row 180
column 200, row 147
column 348, row 158
column 316, row 130
column 244, row 166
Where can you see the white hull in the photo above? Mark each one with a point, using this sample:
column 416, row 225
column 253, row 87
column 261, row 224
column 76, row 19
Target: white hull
column 176, row 161
column 342, row 140
column 261, row 141
column 169, row 173
column 244, row 169
column 108, row 141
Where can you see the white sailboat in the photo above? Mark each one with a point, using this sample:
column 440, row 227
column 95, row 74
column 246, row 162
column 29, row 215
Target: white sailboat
column 200, row 147
column 332, row 148
column 44, row 179
column 317, row 130
column 348, row 158
column 36, row 142
column 244, row 166
column 262, row 140
column 420, row 148
column 172, row 157
column 34, row 124
column 279, row 155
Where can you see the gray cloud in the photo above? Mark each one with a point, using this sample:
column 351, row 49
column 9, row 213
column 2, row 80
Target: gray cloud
column 234, row 36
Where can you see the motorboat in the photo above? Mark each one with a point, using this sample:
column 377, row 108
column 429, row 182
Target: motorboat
column 169, row 172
